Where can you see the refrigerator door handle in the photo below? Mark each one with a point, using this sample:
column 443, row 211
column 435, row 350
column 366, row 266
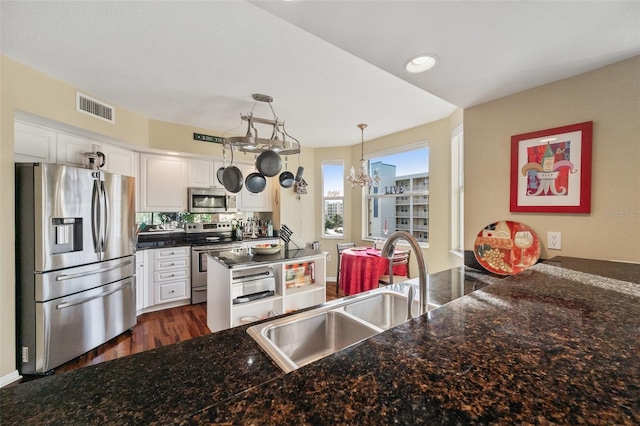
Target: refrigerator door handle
column 97, row 296
column 95, row 217
column 94, row 272
column 105, row 217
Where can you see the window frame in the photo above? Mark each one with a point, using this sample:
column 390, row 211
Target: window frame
column 457, row 190
column 366, row 195
column 325, row 198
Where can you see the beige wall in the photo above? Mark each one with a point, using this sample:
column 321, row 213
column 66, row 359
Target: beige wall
column 610, row 97
column 438, row 136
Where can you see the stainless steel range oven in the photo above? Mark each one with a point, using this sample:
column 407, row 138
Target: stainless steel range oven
column 204, row 238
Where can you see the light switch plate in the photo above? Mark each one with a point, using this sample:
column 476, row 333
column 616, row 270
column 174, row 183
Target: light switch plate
column 554, row 240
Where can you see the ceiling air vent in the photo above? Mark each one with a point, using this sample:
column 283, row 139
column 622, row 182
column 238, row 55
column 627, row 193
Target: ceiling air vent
column 94, row 108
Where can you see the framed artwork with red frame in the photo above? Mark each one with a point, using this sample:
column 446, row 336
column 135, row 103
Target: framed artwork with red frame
column 551, row 170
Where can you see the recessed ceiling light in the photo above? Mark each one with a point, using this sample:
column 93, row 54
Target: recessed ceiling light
column 421, row 63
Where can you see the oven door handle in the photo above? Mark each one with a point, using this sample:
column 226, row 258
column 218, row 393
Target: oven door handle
column 97, row 296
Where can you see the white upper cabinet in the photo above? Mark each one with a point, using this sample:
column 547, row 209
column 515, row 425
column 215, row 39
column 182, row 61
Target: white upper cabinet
column 119, row 160
column 163, row 183
column 200, row 173
column 34, row 144
column 72, row 149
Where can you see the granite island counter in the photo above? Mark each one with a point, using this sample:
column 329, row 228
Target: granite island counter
column 557, row 343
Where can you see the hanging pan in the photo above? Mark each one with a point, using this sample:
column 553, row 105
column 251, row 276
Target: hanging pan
column 220, row 171
column 286, row 178
column 232, row 177
column 255, row 182
column 269, row 163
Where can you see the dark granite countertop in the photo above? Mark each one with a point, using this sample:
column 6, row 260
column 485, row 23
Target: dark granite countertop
column 557, row 343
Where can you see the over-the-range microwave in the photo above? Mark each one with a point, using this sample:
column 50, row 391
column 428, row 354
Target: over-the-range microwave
column 211, row 200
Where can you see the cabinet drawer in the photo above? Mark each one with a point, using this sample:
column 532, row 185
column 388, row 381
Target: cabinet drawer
column 171, row 275
column 167, row 264
column 172, row 252
column 171, row 291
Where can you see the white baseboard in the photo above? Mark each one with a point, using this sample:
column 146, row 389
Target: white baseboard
column 12, row 377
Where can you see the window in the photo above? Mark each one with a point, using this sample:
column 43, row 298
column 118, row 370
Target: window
column 401, row 200
column 333, row 198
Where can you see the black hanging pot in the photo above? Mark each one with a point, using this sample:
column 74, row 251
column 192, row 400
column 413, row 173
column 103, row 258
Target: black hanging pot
column 232, row 177
column 221, row 169
column 269, row 163
column 255, row 182
column 286, row 179
column 219, row 174
column 299, row 173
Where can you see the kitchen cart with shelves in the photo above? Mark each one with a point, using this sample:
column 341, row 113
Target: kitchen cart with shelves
column 299, row 281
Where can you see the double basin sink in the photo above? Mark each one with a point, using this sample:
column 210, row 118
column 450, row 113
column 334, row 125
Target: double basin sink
column 303, row 338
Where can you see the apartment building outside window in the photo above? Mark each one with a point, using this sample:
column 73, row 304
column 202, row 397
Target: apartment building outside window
column 401, row 200
column 333, row 198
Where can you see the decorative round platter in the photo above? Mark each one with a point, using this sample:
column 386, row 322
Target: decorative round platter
column 506, row 247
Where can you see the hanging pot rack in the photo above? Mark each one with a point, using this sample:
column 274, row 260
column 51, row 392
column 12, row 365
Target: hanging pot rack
column 280, row 141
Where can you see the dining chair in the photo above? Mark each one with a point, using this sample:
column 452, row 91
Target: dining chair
column 399, row 258
column 341, row 247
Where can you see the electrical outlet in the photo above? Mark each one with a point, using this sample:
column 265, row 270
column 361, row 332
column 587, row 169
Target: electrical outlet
column 328, row 258
column 554, row 240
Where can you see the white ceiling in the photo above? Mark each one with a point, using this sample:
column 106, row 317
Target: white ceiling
column 329, row 65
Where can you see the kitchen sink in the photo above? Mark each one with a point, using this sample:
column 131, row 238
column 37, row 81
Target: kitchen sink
column 309, row 339
column 305, row 337
column 385, row 310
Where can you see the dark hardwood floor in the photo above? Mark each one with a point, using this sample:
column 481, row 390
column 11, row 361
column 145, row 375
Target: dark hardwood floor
column 157, row 329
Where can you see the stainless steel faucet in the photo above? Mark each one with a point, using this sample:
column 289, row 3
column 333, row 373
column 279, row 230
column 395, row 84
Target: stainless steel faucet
column 387, row 252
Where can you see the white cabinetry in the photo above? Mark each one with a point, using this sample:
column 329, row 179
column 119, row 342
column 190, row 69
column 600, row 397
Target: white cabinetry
column 34, row 144
column 71, row 149
column 248, row 202
column 308, row 272
column 200, row 173
column 163, row 183
column 168, row 278
column 119, row 160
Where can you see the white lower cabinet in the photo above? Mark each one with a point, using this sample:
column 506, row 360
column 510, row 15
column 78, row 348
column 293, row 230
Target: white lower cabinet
column 299, row 284
column 168, row 278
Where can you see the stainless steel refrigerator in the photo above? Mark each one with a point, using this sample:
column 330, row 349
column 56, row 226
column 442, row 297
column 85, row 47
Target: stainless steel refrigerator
column 75, row 264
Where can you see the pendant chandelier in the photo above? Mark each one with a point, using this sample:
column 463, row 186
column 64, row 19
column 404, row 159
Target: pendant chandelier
column 251, row 142
column 362, row 179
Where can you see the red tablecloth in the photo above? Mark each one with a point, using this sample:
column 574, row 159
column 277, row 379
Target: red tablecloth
column 361, row 269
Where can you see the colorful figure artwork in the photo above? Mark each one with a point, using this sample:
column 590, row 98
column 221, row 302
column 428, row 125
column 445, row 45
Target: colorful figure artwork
column 551, row 170
column 547, row 169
